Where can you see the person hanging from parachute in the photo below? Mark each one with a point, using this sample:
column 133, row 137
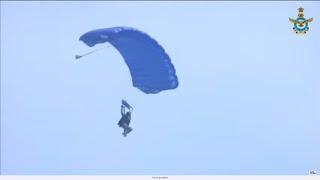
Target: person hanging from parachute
column 126, row 118
column 150, row 67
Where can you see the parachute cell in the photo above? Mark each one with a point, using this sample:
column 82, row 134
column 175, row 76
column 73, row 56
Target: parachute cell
column 149, row 65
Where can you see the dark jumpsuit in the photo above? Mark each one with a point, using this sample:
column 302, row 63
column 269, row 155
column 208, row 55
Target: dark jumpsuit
column 124, row 119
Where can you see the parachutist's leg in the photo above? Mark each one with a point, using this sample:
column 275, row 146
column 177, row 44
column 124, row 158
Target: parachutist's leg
column 124, row 126
column 129, row 129
column 125, row 129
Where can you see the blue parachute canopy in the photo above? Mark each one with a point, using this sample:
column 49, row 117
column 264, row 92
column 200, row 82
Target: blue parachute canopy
column 149, row 65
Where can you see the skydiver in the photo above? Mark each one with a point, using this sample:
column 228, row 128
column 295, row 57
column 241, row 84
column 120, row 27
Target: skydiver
column 125, row 121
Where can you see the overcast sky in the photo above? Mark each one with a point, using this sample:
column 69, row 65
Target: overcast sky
column 248, row 100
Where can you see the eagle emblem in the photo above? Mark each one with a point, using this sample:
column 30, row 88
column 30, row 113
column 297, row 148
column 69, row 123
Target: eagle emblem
column 301, row 23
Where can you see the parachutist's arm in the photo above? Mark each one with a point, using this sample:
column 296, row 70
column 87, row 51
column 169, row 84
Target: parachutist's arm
column 122, row 110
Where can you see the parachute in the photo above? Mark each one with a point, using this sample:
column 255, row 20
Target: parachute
column 149, row 65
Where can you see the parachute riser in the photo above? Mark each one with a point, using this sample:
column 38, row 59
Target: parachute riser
column 80, row 56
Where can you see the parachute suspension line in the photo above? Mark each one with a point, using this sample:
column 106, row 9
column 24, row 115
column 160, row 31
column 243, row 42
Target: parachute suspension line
column 80, row 56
